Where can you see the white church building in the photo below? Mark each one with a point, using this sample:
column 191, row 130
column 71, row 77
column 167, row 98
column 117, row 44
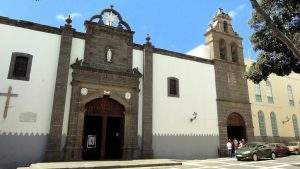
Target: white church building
column 67, row 95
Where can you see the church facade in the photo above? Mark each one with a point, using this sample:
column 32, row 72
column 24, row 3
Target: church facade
column 97, row 95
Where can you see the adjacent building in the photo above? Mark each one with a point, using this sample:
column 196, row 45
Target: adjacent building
column 275, row 105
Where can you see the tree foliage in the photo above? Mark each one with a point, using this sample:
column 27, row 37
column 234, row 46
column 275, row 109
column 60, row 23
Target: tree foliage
column 274, row 56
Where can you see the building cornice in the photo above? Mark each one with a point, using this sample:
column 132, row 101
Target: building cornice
column 175, row 54
column 37, row 27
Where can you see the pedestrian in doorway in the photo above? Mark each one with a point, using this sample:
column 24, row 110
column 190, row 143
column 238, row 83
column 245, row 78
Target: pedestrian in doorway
column 229, row 148
column 244, row 142
column 241, row 144
column 235, row 144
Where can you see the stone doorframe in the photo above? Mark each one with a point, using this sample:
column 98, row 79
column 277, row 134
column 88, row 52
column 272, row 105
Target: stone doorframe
column 100, row 83
column 223, row 128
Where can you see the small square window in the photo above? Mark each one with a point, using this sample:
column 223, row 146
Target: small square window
column 20, row 66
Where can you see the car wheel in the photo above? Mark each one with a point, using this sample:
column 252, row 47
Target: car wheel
column 273, row 156
column 238, row 159
column 254, row 157
column 297, row 152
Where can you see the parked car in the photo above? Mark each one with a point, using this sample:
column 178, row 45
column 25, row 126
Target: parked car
column 294, row 147
column 255, row 151
column 280, row 149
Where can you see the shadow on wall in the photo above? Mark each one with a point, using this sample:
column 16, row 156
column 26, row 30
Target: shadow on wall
column 185, row 146
column 20, row 150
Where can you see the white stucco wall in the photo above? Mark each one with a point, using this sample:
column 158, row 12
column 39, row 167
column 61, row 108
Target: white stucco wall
column 174, row 135
column 77, row 51
column 137, row 62
column 35, row 95
column 171, row 115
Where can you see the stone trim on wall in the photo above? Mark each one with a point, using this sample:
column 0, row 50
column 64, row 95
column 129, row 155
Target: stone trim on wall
column 54, row 152
column 147, row 106
column 275, row 139
column 97, row 84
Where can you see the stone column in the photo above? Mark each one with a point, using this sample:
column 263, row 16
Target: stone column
column 73, row 147
column 53, row 151
column 147, row 151
column 130, row 149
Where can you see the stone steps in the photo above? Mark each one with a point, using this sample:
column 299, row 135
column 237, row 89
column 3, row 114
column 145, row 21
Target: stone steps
column 104, row 164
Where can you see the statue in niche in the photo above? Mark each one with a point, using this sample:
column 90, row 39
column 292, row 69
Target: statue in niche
column 109, row 55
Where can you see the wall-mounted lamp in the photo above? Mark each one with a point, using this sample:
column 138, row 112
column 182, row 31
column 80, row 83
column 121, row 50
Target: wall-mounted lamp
column 194, row 117
column 287, row 119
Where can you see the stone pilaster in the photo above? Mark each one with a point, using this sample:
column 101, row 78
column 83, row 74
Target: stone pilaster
column 147, row 151
column 53, row 151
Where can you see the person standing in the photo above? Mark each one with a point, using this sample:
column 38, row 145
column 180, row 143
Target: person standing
column 229, row 148
column 235, row 145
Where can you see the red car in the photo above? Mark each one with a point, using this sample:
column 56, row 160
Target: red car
column 280, row 149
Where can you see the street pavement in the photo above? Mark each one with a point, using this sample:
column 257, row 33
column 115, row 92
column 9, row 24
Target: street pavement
column 290, row 162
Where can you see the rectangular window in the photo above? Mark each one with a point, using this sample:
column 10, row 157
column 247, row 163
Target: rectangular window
column 173, row 87
column 20, row 66
column 258, row 98
column 270, row 100
column 292, row 103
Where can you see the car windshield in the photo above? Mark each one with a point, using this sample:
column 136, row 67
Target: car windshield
column 292, row 144
column 252, row 145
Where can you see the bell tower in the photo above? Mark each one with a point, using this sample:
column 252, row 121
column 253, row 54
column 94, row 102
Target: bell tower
column 232, row 91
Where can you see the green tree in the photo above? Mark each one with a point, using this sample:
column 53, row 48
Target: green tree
column 276, row 25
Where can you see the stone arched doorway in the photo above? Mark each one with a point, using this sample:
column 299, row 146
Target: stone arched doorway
column 236, row 127
column 103, row 131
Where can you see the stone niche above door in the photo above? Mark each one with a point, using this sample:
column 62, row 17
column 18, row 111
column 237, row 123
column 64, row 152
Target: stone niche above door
column 107, row 46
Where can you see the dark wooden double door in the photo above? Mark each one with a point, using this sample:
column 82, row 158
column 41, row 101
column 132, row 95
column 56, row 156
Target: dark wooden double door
column 103, row 132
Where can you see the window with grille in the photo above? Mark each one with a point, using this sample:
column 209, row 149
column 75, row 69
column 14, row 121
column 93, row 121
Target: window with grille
column 173, row 87
column 269, row 92
column 257, row 92
column 274, row 124
column 262, row 124
column 290, row 96
column 296, row 127
column 20, row 66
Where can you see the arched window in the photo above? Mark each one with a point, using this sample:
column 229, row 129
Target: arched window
column 225, row 26
column 222, row 49
column 234, row 52
column 290, row 95
column 295, row 124
column 269, row 92
column 274, row 124
column 262, row 124
column 173, row 87
column 257, row 92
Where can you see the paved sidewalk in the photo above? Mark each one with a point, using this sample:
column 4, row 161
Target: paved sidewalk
column 105, row 164
column 291, row 162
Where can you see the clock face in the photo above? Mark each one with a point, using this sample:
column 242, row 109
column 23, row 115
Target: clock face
column 110, row 19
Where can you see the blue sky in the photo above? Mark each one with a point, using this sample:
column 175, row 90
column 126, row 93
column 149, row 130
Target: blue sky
column 176, row 25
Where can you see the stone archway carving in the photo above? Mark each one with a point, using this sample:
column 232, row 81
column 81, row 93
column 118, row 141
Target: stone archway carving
column 235, row 119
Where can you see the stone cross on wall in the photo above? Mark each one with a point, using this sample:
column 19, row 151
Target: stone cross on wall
column 8, row 95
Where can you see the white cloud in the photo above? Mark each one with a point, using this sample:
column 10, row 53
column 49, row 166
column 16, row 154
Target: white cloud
column 236, row 11
column 63, row 17
column 232, row 13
